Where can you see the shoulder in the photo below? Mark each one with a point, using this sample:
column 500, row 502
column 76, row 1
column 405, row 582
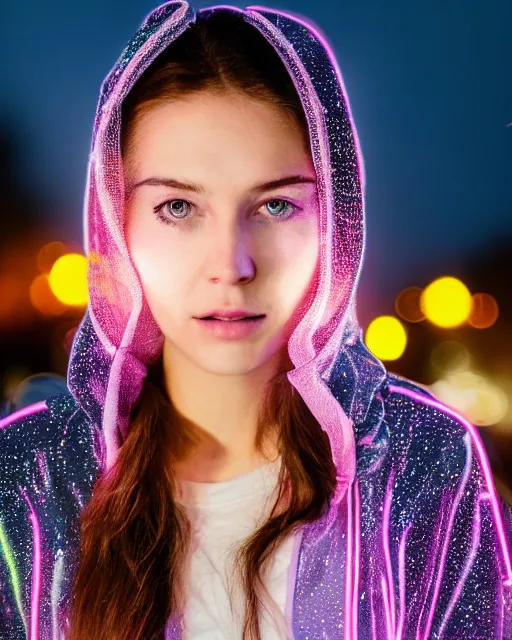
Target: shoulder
column 441, row 472
column 416, row 418
column 38, row 424
column 46, row 435
column 437, row 451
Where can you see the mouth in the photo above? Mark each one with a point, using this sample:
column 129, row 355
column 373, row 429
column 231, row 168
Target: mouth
column 232, row 328
column 241, row 319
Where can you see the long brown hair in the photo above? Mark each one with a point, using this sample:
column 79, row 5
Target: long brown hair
column 134, row 534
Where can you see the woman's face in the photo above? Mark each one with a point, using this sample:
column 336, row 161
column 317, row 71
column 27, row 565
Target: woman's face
column 226, row 240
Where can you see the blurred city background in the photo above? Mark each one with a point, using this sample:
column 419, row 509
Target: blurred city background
column 430, row 87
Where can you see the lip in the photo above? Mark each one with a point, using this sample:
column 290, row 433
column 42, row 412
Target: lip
column 229, row 313
column 231, row 329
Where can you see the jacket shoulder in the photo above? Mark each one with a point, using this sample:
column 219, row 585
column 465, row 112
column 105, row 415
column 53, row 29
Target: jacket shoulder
column 412, row 407
column 441, row 471
column 45, row 438
column 37, row 425
column 47, row 471
column 433, row 437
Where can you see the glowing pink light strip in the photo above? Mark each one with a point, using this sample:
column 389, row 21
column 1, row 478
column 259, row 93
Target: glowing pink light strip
column 23, row 413
column 387, row 555
column 475, row 541
column 444, row 551
column 357, row 555
column 372, row 606
column 348, row 568
column 440, row 527
column 36, row 568
column 385, row 597
column 403, row 590
column 484, row 464
column 221, row 6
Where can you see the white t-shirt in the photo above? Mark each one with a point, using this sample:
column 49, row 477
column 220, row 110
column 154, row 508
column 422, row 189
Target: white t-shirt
column 223, row 514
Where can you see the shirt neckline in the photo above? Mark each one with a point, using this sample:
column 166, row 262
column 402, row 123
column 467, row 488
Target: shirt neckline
column 253, row 484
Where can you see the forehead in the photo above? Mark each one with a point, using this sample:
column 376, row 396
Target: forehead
column 208, row 135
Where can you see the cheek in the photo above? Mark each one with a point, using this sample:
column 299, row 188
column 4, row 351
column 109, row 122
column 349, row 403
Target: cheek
column 158, row 264
column 294, row 264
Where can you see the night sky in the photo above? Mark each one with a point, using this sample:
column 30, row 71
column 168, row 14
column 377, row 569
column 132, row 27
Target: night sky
column 430, row 86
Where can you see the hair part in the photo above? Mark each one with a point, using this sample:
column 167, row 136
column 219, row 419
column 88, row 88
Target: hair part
column 134, row 534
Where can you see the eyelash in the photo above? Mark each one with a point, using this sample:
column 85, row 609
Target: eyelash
column 167, row 220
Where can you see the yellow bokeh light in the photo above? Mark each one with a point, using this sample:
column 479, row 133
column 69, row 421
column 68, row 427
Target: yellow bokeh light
column 446, row 302
column 386, row 338
column 68, row 279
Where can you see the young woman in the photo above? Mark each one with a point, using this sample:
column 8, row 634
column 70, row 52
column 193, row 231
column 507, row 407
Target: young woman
column 232, row 461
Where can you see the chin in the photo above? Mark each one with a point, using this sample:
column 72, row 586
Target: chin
column 231, row 365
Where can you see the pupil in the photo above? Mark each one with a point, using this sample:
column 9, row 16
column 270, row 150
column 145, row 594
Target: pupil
column 177, row 206
column 275, row 203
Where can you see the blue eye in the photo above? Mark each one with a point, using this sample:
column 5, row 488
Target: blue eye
column 276, row 211
column 171, row 211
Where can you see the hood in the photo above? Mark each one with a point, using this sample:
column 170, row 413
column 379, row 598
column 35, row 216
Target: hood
column 334, row 372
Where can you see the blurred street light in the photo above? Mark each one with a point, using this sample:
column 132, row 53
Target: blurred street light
column 386, row 338
column 68, row 279
column 407, row 305
column 446, row 302
column 484, row 312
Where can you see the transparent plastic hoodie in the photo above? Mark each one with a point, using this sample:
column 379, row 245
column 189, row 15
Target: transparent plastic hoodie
column 414, row 545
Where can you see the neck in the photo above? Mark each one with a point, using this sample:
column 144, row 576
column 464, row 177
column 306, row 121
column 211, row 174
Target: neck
column 217, row 418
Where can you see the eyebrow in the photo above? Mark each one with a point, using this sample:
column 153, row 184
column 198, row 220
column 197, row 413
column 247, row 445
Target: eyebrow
column 189, row 186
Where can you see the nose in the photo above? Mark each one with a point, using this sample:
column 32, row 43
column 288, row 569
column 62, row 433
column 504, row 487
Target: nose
column 229, row 257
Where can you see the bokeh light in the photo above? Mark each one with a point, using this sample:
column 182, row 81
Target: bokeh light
column 49, row 254
column 477, row 398
column 386, row 338
column 407, row 305
column 450, row 356
column 68, row 279
column 43, row 299
column 504, row 381
column 484, row 311
column 446, row 302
